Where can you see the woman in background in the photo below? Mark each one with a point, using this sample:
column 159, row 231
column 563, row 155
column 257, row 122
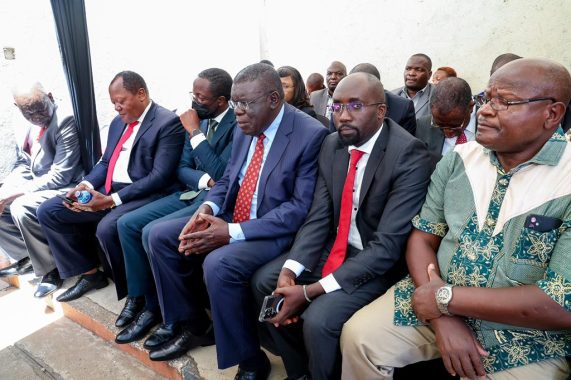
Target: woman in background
column 443, row 73
column 294, row 90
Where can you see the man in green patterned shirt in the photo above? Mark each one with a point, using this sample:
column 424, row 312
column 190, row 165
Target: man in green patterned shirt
column 489, row 289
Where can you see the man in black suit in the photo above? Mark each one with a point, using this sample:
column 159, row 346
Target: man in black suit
column 399, row 109
column 452, row 120
column 210, row 125
column 139, row 165
column 349, row 249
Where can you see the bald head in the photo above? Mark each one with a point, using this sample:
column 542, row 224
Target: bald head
column 503, row 59
column 314, row 82
column 366, row 68
column 538, row 77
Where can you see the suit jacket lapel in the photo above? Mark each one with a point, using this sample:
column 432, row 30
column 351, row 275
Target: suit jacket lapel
column 225, row 123
column 374, row 161
column 278, row 148
column 340, row 168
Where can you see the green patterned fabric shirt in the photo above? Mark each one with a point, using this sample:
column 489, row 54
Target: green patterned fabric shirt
column 500, row 230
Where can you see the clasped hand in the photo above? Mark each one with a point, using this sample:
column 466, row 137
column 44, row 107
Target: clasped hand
column 424, row 297
column 203, row 233
column 294, row 300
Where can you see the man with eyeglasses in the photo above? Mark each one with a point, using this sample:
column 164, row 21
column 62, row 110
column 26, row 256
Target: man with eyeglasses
column 452, row 121
column 489, row 289
column 373, row 177
column 48, row 163
column 209, row 125
column 321, row 99
column 248, row 218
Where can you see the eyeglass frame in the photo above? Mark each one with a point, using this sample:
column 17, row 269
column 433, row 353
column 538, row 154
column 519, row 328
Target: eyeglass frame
column 203, row 99
column 481, row 100
column 349, row 107
column 245, row 105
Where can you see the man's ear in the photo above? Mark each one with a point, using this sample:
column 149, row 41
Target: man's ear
column 554, row 113
column 274, row 99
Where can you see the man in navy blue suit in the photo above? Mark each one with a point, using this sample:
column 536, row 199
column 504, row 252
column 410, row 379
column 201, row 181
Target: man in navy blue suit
column 138, row 166
column 210, row 125
column 249, row 217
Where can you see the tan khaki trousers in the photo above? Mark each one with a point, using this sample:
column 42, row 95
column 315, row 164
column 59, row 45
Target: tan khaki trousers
column 372, row 346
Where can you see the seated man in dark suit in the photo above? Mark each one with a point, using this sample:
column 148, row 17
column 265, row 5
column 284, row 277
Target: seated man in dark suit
column 320, row 99
column 49, row 163
column 139, row 165
column 210, row 126
column 399, row 109
column 452, row 120
column 372, row 180
column 249, row 218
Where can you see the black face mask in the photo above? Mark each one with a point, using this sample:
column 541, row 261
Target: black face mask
column 202, row 111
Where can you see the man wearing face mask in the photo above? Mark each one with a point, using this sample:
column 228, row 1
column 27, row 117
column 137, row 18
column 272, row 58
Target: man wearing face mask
column 210, row 128
column 48, row 162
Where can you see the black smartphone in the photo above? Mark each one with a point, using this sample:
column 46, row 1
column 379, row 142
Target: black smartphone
column 67, row 200
column 271, row 307
column 542, row 223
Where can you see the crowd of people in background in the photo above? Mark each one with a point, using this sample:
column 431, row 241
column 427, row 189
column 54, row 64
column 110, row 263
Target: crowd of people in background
column 349, row 229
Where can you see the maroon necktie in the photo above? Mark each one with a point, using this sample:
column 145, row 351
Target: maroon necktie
column 461, row 139
column 115, row 155
column 339, row 250
column 248, row 187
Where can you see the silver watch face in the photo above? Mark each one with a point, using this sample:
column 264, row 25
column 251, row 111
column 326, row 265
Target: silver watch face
column 444, row 294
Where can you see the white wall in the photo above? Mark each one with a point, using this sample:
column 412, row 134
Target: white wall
column 170, row 41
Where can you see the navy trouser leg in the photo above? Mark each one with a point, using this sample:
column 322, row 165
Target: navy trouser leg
column 227, row 273
column 70, row 236
column 130, row 228
column 178, row 277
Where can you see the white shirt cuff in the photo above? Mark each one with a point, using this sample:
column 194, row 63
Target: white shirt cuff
column 87, row 183
column 294, row 266
column 194, row 141
column 116, row 199
column 236, row 233
column 203, row 181
column 329, row 284
column 214, row 207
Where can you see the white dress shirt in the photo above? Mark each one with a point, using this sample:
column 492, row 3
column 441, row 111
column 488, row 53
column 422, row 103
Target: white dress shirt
column 469, row 131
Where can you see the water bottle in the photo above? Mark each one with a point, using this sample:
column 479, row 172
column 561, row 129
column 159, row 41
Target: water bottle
column 83, row 196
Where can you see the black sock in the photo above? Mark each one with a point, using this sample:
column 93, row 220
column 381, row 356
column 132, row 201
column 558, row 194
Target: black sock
column 253, row 363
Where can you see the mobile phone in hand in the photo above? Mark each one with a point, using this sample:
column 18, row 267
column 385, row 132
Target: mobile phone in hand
column 67, row 200
column 271, row 307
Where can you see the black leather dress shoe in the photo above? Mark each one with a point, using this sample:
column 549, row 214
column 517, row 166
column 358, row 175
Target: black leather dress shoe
column 133, row 306
column 164, row 334
column 82, row 286
column 48, row 284
column 261, row 373
column 181, row 344
column 20, row 267
column 139, row 328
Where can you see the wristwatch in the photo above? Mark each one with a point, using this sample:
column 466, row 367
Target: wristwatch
column 443, row 298
column 195, row 132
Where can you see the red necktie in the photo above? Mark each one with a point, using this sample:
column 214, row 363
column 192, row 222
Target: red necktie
column 339, row 250
column 248, row 187
column 41, row 133
column 115, row 155
column 461, row 139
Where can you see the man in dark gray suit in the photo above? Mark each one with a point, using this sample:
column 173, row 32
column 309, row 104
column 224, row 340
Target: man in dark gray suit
column 452, row 120
column 48, row 163
column 322, row 98
column 349, row 249
column 417, row 72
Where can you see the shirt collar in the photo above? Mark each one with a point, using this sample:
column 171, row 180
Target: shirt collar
column 271, row 131
column 418, row 93
column 142, row 117
column 219, row 118
column 368, row 146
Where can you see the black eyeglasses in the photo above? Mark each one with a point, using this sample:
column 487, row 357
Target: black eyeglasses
column 350, row 107
column 244, row 105
column 200, row 98
column 454, row 128
column 501, row 104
